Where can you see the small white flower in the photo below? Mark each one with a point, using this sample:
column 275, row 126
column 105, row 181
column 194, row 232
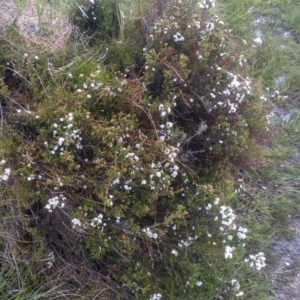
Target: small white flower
column 60, row 141
column 155, row 297
column 199, row 283
column 241, row 235
column 127, row 187
column 70, row 116
column 76, row 222
column 258, row 40
column 209, row 206
column 178, row 37
column 31, row 177
column 174, row 174
column 228, row 252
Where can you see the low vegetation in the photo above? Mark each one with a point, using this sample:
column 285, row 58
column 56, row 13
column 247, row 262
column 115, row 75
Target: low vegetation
column 134, row 154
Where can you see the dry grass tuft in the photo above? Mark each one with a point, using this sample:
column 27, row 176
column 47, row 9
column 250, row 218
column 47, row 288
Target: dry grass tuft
column 8, row 13
column 41, row 27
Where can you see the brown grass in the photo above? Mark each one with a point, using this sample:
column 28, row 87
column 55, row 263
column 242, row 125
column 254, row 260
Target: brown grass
column 47, row 29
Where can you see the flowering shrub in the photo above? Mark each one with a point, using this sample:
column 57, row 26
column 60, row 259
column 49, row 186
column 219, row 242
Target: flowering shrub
column 192, row 73
column 119, row 168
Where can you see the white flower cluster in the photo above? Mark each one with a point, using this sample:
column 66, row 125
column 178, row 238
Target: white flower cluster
column 171, row 153
column 227, row 218
column 197, row 24
column 148, row 232
column 125, row 134
column 6, row 173
column 132, row 156
column 257, row 40
column 165, row 131
column 155, row 176
column 185, row 243
column 199, row 283
column 155, row 297
column 232, row 107
column 69, row 135
column 270, row 118
column 56, row 201
column 210, row 26
column 242, row 233
column 229, row 252
column 165, row 28
column 164, row 110
column 158, row 172
column 115, row 182
column 227, row 215
column 30, row 177
column 238, row 88
column 174, row 171
column 236, row 286
column 97, row 221
column 207, row 4
column 76, row 222
column 178, row 37
column 257, row 261
column 50, row 259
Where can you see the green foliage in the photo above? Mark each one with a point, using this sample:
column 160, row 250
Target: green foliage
column 100, row 17
column 122, row 161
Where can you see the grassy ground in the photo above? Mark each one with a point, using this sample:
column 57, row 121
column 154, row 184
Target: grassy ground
column 170, row 242
column 276, row 62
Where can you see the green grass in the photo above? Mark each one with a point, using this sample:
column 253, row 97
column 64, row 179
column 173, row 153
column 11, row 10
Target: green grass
column 277, row 57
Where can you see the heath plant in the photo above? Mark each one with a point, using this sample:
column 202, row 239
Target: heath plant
column 123, row 175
